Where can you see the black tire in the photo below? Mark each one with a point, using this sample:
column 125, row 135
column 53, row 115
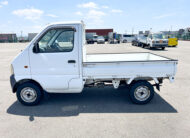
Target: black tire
column 32, row 86
column 163, row 48
column 141, row 84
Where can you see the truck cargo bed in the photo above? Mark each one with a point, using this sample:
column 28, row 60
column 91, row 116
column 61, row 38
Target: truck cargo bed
column 125, row 57
column 128, row 65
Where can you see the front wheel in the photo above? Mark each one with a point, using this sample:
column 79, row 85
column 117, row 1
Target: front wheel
column 163, row 48
column 29, row 94
column 143, row 45
column 141, row 92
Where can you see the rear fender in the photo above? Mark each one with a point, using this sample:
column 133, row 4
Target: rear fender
column 129, row 81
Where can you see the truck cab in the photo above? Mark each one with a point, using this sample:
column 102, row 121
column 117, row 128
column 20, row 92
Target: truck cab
column 53, row 59
column 157, row 40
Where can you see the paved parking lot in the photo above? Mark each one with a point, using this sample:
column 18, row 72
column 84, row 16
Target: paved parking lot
column 99, row 112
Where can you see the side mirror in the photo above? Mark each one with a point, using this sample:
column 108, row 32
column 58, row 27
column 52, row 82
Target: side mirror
column 36, row 48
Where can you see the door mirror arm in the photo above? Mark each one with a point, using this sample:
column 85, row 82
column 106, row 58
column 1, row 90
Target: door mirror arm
column 36, row 48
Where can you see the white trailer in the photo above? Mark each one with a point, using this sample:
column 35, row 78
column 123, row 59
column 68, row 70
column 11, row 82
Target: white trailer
column 56, row 62
column 125, row 38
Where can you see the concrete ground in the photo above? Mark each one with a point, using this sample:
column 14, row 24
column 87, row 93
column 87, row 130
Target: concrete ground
column 99, row 112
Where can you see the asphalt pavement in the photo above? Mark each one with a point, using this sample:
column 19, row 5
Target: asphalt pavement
column 99, row 112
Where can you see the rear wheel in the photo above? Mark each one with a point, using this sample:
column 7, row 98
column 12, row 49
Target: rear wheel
column 163, row 48
column 29, row 94
column 141, row 92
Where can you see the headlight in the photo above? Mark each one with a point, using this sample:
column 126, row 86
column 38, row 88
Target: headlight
column 12, row 69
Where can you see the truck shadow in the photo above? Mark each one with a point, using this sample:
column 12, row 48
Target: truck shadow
column 157, row 49
column 91, row 100
column 153, row 49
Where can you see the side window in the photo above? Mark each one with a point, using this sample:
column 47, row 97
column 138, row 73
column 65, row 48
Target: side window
column 57, row 40
column 65, row 41
column 43, row 43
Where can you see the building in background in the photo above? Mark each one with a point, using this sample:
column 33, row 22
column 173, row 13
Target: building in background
column 181, row 34
column 173, row 33
column 31, row 36
column 185, row 35
column 8, row 38
column 100, row 32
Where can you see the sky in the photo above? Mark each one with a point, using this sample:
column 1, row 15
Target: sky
column 124, row 16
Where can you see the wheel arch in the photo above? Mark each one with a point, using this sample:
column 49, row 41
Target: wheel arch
column 132, row 80
column 25, row 81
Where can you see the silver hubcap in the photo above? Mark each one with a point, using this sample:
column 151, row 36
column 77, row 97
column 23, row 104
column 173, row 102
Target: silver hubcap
column 142, row 93
column 28, row 94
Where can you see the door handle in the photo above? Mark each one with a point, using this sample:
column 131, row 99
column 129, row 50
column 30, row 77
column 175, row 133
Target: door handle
column 71, row 61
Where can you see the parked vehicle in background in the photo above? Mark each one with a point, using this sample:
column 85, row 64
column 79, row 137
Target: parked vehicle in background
column 90, row 41
column 172, row 41
column 157, row 41
column 95, row 37
column 56, row 62
column 101, row 40
column 113, row 41
column 113, row 38
column 22, row 39
column 136, row 42
column 142, row 40
column 125, row 38
column 89, row 38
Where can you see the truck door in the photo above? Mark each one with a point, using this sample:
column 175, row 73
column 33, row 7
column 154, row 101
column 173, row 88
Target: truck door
column 54, row 58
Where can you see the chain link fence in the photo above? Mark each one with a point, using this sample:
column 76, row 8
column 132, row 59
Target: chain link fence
column 185, row 36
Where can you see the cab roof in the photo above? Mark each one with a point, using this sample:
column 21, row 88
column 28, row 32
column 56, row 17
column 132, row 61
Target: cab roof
column 67, row 23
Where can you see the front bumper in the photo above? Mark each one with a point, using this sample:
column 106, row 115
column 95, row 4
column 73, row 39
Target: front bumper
column 12, row 82
column 159, row 45
column 101, row 42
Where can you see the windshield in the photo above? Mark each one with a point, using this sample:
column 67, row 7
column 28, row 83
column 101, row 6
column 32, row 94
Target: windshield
column 157, row 36
column 95, row 36
column 100, row 37
column 128, row 35
column 141, row 36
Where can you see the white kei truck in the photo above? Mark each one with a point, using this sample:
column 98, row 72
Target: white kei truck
column 156, row 40
column 55, row 61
